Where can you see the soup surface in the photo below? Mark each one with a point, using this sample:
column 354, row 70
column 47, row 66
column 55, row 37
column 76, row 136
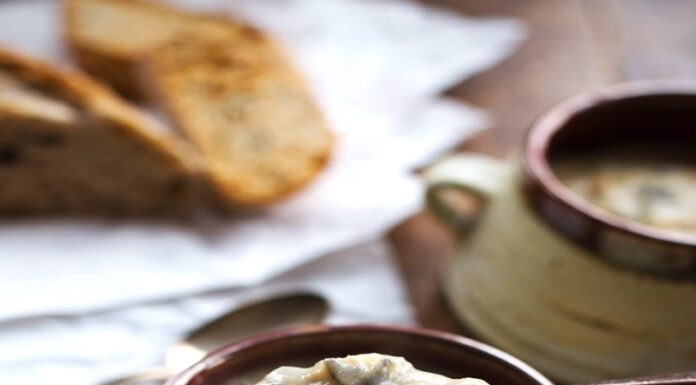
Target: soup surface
column 653, row 185
column 363, row 369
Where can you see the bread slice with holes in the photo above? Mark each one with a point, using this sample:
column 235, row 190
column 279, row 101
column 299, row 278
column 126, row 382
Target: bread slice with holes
column 108, row 37
column 68, row 145
column 228, row 87
column 247, row 112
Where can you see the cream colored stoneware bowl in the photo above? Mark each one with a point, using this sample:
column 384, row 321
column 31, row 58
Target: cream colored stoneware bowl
column 575, row 292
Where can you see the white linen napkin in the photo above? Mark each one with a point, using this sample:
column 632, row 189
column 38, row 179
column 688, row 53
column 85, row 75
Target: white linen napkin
column 377, row 69
column 84, row 301
column 360, row 284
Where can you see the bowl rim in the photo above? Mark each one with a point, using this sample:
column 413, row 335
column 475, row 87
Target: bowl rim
column 538, row 169
column 218, row 357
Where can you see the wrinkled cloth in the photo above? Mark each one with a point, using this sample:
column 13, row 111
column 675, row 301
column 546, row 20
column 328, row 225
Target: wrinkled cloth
column 86, row 300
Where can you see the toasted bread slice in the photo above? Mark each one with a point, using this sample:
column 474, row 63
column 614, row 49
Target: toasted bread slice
column 108, row 37
column 68, row 145
column 228, row 88
column 246, row 110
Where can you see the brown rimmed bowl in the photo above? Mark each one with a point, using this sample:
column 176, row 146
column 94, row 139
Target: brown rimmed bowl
column 437, row 352
column 647, row 112
column 576, row 291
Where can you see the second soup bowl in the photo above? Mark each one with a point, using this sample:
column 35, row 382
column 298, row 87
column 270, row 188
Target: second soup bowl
column 246, row 362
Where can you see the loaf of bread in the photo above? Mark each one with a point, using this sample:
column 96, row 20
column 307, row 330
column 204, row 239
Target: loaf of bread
column 229, row 88
column 68, row 145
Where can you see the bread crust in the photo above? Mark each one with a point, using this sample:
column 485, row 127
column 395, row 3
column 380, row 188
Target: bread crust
column 118, row 67
column 99, row 109
column 281, row 104
column 114, row 68
column 105, row 104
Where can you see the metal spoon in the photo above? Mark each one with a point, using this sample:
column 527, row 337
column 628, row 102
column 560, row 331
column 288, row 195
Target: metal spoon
column 288, row 310
column 688, row 378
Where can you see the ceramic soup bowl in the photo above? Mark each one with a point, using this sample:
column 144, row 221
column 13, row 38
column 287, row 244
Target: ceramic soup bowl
column 576, row 290
column 248, row 361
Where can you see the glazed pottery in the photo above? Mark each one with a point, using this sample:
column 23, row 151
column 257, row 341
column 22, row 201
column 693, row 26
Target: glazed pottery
column 577, row 292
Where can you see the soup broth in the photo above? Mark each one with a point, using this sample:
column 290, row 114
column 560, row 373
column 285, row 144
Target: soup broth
column 372, row 368
column 653, row 185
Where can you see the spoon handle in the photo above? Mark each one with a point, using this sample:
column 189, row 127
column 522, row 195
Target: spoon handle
column 149, row 376
column 687, row 378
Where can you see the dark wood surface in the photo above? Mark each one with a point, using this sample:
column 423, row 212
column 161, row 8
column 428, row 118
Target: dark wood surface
column 573, row 46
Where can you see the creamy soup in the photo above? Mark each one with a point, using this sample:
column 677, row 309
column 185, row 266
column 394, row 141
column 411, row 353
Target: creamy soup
column 363, row 369
column 653, row 185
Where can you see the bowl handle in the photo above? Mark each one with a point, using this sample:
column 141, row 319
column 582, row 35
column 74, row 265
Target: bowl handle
column 473, row 175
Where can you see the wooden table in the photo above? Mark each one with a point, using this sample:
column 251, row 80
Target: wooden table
column 573, row 46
